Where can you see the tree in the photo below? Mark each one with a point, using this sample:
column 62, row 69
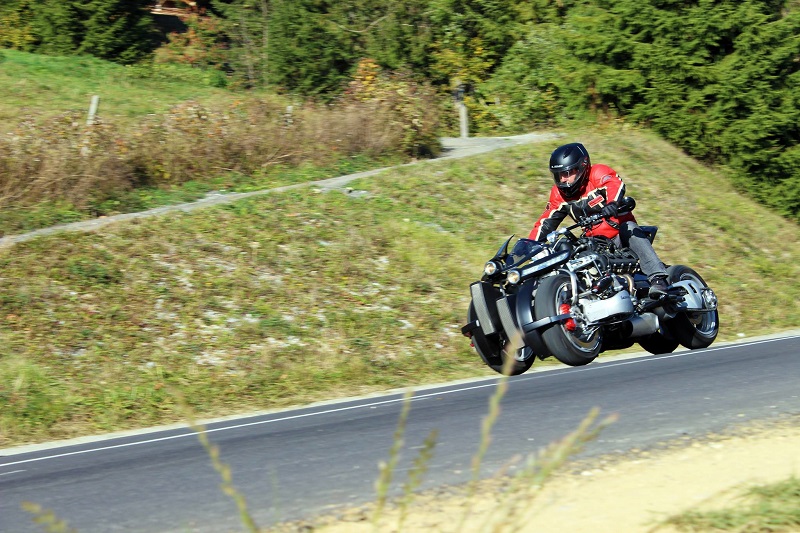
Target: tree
column 118, row 30
column 246, row 25
column 472, row 37
column 58, row 26
column 400, row 35
column 16, row 30
column 309, row 54
column 524, row 89
column 758, row 107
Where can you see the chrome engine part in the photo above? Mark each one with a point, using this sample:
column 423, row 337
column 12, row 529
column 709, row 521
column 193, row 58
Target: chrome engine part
column 615, row 308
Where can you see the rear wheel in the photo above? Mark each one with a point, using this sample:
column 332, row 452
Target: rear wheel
column 692, row 329
column 574, row 348
column 494, row 352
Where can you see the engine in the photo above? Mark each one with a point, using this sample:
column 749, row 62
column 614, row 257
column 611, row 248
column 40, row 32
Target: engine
column 613, row 308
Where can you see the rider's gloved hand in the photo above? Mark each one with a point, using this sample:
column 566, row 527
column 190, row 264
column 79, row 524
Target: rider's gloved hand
column 578, row 209
column 610, row 210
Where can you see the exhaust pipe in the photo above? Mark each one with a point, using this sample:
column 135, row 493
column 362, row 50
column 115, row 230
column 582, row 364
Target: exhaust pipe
column 643, row 325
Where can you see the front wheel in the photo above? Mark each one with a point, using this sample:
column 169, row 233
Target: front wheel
column 573, row 348
column 522, row 361
column 693, row 330
column 494, row 352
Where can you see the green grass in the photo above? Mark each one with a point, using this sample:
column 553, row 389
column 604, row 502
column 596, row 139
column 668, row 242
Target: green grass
column 36, row 86
column 774, row 508
column 300, row 296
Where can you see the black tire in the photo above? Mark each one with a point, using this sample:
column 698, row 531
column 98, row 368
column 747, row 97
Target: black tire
column 659, row 343
column 692, row 330
column 566, row 346
column 523, row 358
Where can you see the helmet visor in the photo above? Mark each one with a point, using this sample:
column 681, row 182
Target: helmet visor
column 566, row 177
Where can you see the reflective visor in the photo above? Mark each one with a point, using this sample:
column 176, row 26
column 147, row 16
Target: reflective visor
column 562, row 174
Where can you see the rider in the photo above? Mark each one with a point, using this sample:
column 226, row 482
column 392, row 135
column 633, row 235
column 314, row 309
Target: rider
column 582, row 189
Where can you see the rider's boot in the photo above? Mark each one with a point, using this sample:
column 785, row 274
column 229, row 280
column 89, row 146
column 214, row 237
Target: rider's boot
column 658, row 287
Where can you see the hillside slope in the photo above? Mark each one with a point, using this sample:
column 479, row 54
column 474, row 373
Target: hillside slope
column 309, row 294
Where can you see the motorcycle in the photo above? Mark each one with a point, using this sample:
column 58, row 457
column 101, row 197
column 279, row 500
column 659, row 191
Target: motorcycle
column 576, row 296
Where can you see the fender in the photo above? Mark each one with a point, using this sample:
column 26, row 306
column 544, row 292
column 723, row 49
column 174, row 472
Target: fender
column 484, row 298
column 526, row 321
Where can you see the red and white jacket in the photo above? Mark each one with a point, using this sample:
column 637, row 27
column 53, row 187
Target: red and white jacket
column 603, row 186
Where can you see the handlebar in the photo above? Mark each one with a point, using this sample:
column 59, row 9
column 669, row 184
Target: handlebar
column 624, row 206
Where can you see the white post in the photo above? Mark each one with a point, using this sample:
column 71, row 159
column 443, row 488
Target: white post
column 463, row 119
column 458, row 96
column 93, row 110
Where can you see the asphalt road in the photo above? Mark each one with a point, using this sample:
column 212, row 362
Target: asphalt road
column 297, row 463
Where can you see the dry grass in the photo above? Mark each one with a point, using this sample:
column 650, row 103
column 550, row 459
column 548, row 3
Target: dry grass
column 88, row 167
column 55, row 168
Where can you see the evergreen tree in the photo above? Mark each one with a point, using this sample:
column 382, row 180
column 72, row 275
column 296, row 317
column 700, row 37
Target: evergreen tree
column 524, row 89
column 58, row 26
column 118, row 30
column 292, row 44
column 246, row 24
column 472, row 37
column 16, row 26
column 758, row 106
column 308, row 54
column 401, row 37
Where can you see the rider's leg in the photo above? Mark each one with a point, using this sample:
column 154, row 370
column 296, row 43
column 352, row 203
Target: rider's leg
column 635, row 238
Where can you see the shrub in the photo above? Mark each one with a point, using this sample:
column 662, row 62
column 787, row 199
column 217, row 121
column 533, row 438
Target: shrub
column 409, row 106
column 88, row 166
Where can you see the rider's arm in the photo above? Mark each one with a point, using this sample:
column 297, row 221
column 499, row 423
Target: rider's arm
column 554, row 213
column 607, row 186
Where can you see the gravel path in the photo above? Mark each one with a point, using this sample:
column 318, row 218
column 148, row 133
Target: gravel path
column 454, row 148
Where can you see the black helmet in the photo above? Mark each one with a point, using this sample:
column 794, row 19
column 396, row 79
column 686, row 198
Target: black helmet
column 565, row 158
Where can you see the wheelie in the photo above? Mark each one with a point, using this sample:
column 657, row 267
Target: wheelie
column 596, row 285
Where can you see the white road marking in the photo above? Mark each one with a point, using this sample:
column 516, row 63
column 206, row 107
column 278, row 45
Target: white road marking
column 493, row 382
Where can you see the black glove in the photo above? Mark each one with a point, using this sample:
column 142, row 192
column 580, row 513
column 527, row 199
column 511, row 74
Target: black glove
column 610, row 210
column 577, row 209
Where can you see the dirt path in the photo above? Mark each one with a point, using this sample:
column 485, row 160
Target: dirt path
column 454, row 148
column 607, row 495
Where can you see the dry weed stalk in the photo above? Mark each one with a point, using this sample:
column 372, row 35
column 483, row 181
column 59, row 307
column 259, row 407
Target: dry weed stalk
column 488, row 423
column 47, row 519
column 418, row 470
column 223, row 469
column 387, row 468
column 513, row 509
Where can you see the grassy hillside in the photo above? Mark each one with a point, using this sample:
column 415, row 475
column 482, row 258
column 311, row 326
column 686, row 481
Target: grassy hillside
column 305, row 295
column 164, row 136
column 37, row 86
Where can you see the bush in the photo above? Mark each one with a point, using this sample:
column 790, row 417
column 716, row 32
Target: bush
column 89, row 166
column 410, row 107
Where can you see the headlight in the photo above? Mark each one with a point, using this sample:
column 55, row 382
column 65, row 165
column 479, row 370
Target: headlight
column 513, row 277
column 710, row 299
column 490, row 268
